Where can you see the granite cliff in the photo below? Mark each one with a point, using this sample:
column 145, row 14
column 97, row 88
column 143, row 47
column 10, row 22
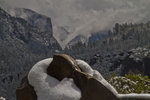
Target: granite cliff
column 22, row 43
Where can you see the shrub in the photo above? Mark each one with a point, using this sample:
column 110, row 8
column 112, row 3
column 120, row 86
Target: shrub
column 130, row 83
column 1, row 98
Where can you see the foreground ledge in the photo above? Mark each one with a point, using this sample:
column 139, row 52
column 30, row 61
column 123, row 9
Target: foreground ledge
column 64, row 78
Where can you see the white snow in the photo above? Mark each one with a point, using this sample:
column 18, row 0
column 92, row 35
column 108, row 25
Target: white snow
column 49, row 88
column 84, row 67
column 2, row 98
column 94, row 73
column 134, row 95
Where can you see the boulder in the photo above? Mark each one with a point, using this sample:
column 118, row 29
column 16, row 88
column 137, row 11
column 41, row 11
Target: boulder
column 64, row 66
column 25, row 91
column 91, row 88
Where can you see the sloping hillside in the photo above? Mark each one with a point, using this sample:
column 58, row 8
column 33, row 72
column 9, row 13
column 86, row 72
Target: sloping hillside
column 21, row 45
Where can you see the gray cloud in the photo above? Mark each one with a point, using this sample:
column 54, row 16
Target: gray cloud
column 85, row 16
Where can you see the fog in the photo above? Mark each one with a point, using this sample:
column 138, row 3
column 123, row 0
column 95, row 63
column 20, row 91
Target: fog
column 84, row 16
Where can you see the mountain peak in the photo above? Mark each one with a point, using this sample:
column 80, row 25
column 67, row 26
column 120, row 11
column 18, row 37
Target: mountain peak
column 37, row 20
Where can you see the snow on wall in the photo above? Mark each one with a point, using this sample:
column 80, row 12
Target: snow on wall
column 49, row 88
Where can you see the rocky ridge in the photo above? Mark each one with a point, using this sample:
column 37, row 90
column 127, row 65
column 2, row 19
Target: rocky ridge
column 21, row 45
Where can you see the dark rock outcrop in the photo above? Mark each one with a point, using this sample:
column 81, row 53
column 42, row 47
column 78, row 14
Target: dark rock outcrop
column 25, row 91
column 62, row 66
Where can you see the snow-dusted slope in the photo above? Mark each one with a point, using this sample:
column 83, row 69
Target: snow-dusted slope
column 42, row 25
column 78, row 39
column 21, row 45
column 94, row 37
column 37, row 20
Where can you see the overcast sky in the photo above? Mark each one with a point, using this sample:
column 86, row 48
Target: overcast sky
column 86, row 16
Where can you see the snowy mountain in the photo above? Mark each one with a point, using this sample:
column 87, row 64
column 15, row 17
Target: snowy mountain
column 37, row 20
column 97, row 36
column 21, row 45
column 78, row 39
column 94, row 37
column 44, row 23
column 41, row 23
column 27, row 37
column 112, row 53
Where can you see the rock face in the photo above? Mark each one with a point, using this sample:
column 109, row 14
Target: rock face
column 92, row 89
column 43, row 26
column 37, row 20
column 25, row 91
column 62, row 66
column 23, row 44
column 44, row 35
column 28, row 32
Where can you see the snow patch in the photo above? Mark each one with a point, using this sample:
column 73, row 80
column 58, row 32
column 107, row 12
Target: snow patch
column 85, row 67
column 137, row 96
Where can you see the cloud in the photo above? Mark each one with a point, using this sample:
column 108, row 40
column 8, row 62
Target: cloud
column 86, row 16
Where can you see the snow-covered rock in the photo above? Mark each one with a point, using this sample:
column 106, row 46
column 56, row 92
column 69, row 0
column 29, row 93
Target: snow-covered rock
column 86, row 84
column 49, row 88
column 74, row 87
